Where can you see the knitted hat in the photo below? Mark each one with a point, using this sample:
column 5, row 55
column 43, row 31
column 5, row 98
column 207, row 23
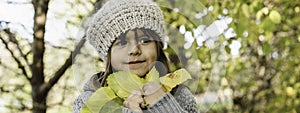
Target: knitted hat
column 118, row 16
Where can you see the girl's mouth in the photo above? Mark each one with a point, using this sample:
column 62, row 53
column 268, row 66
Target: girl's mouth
column 135, row 62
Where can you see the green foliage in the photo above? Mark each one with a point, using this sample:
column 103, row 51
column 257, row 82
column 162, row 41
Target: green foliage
column 265, row 74
column 262, row 77
column 124, row 82
column 275, row 17
column 113, row 106
column 100, row 98
column 152, row 76
column 203, row 54
column 171, row 80
column 120, row 84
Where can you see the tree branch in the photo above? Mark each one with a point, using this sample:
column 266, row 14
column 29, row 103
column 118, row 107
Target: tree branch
column 16, row 3
column 13, row 39
column 20, row 65
column 11, row 69
column 57, row 47
column 65, row 91
column 58, row 74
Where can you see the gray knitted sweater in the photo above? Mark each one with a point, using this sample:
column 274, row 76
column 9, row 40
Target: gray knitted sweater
column 179, row 100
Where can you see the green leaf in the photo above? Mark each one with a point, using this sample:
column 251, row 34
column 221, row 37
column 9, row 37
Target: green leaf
column 267, row 25
column 85, row 109
column 203, row 54
column 171, row 80
column 265, row 10
column 266, row 48
column 152, row 76
column 275, row 17
column 122, row 83
column 181, row 20
column 98, row 99
column 259, row 14
column 245, row 9
column 113, row 106
column 227, row 49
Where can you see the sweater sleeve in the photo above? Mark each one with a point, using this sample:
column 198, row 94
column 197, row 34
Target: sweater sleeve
column 167, row 104
column 186, row 99
column 88, row 89
column 80, row 101
column 181, row 102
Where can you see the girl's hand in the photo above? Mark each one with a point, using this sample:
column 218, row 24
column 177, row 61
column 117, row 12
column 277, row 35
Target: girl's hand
column 134, row 100
column 153, row 91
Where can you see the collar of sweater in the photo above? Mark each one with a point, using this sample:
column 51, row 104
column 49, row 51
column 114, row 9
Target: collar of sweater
column 93, row 83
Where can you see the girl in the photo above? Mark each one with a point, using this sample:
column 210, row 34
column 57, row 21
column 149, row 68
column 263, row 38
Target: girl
column 128, row 36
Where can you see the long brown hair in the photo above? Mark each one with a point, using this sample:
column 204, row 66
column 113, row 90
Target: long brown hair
column 161, row 65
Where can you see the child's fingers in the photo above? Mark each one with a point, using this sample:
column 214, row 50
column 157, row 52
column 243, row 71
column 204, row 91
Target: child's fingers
column 153, row 91
column 134, row 100
column 151, row 87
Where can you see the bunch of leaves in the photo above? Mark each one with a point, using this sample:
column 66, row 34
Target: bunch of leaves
column 109, row 99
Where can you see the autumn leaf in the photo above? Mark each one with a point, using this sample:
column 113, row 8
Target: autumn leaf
column 109, row 99
column 98, row 99
column 122, row 83
column 171, row 80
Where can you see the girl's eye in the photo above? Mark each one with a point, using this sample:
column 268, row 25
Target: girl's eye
column 145, row 39
column 121, row 43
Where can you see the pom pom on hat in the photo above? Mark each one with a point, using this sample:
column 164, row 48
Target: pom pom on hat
column 117, row 17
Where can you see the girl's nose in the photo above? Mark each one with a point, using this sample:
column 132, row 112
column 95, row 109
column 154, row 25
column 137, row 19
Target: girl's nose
column 134, row 49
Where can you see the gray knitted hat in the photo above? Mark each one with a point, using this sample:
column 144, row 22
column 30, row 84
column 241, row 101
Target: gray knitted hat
column 118, row 16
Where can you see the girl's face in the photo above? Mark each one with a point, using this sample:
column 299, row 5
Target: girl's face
column 136, row 53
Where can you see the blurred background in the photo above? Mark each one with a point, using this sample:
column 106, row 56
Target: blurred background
column 244, row 55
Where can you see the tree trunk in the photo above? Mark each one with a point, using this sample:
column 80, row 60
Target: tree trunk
column 39, row 100
column 38, row 49
column 40, row 87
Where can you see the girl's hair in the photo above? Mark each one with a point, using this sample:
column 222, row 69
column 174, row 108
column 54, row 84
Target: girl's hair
column 162, row 65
